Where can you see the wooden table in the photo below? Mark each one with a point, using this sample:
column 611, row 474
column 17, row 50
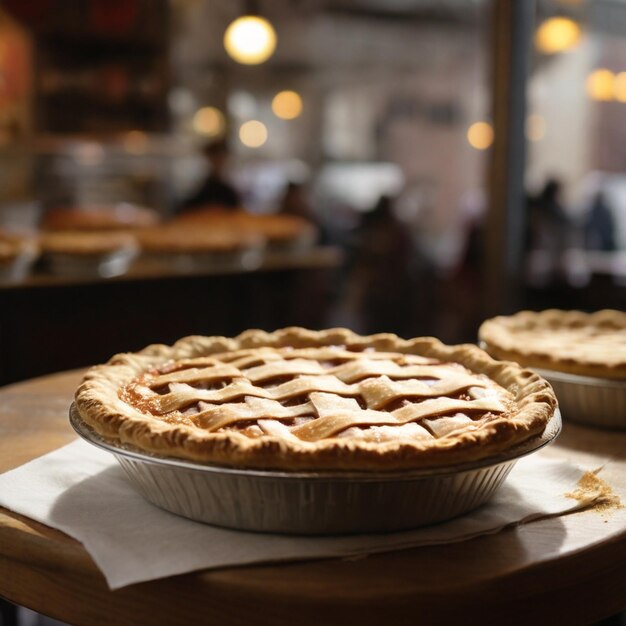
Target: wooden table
column 567, row 570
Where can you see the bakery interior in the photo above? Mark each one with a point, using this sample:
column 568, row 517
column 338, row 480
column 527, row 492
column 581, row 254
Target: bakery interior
column 404, row 166
column 373, row 121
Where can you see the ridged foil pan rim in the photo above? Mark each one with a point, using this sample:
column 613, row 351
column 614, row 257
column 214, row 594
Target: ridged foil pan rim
column 594, row 402
column 576, row 379
column 552, row 430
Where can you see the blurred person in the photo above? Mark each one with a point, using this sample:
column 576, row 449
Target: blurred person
column 548, row 232
column 216, row 190
column 548, row 222
column 460, row 290
column 599, row 226
column 295, row 201
column 381, row 282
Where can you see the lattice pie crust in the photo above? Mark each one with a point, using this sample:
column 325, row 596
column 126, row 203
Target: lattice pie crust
column 305, row 400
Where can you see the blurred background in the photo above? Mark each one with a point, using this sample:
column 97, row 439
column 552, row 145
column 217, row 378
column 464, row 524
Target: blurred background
column 410, row 166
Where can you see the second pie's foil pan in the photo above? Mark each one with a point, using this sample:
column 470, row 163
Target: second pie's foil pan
column 228, row 261
column 598, row 402
column 314, row 503
column 78, row 266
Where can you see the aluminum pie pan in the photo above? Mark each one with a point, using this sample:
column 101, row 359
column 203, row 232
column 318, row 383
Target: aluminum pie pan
column 227, row 260
column 313, row 503
column 598, row 402
column 106, row 265
column 15, row 270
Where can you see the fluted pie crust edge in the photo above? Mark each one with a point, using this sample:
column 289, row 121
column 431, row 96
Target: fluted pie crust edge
column 100, row 407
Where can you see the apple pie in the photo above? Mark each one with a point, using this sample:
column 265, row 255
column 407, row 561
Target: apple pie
column 573, row 342
column 297, row 399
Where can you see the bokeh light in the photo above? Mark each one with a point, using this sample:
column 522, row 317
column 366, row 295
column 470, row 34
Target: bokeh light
column 600, row 84
column 480, row 135
column 250, row 40
column 557, row 34
column 253, row 134
column 209, row 121
column 287, row 105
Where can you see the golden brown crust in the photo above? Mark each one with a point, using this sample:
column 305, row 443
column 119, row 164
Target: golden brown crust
column 86, row 243
column 123, row 216
column 585, row 344
column 276, row 229
column 181, row 239
column 100, row 406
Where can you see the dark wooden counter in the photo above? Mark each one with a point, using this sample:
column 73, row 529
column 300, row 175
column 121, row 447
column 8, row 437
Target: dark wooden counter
column 50, row 323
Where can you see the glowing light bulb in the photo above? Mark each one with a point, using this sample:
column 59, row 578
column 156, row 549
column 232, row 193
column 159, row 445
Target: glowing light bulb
column 480, row 135
column 287, row 105
column 600, row 84
column 209, row 121
column 253, row 134
column 557, row 34
column 250, row 40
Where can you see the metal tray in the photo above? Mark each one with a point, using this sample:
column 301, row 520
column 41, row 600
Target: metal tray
column 599, row 402
column 313, row 503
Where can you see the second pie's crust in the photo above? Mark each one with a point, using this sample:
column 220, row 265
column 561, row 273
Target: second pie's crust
column 500, row 339
column 14, row 246
column 86, row 244
column 187, row 240
column 101, row 408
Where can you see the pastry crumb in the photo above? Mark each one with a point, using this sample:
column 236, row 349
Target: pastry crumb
column 594, row 490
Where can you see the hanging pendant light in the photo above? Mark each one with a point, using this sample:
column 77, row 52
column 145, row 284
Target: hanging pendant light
column 557, row 34
column 250, row 39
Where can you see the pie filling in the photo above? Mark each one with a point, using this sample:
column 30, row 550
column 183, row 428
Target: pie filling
column 307, row 395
